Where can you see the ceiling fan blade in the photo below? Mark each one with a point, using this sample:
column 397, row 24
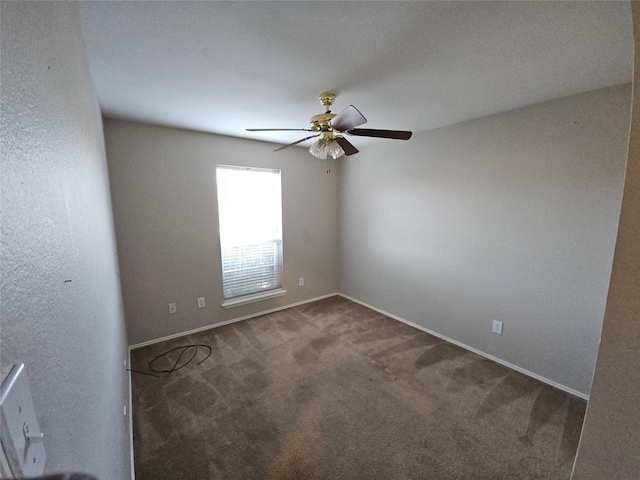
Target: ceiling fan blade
column 277, row 129
column 347, row 146
column 295, row 143
column 368, row 132
column 347, row 119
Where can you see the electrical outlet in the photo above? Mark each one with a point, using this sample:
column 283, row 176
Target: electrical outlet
column 172, row 308
column 497, row 327
column 201, row 303
column 301, row 282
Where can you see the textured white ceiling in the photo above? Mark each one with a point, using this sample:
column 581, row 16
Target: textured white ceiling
column 225, row 66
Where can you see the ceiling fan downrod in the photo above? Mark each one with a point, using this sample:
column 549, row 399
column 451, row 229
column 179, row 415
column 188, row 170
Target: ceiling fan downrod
column 322, row 122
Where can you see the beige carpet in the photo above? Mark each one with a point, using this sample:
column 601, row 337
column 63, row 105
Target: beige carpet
column 333, row 390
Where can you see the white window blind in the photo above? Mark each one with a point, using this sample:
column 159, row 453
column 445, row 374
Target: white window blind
column 250, row 216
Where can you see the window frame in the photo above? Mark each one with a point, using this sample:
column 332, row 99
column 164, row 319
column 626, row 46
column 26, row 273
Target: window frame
column 262, row 294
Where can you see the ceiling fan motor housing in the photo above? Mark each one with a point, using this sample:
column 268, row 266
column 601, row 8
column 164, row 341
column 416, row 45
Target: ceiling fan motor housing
column 322, row 122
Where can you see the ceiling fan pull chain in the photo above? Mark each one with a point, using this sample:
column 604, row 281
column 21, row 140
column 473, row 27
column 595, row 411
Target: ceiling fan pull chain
column 328, row 165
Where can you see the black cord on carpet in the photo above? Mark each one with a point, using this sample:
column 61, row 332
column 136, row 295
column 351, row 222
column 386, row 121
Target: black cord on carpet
column 177, row 365
column 144, row 373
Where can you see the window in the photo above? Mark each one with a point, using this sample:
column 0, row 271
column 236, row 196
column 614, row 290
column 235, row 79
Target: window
column 250, row 216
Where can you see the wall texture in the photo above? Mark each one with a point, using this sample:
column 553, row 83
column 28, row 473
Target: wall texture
column 510, row 217
column 61, row 305
column 610, row 442
column 165, row 209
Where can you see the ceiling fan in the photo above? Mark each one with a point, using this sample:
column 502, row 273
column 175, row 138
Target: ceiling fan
column 331, row 127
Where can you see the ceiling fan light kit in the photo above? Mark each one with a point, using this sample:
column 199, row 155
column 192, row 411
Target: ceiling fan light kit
column 323, row 148
column 326, row 125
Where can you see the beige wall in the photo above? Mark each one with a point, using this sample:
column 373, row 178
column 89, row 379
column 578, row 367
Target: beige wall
column 164, row 200
column 510, row 217
column 61, row 306
column 610, row 443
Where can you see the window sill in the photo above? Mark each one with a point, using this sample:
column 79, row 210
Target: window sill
column 256, row 297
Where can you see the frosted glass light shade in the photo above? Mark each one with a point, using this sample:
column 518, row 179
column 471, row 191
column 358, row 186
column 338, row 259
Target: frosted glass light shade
column 321, row 149
column 334, row 149
column 318, row 149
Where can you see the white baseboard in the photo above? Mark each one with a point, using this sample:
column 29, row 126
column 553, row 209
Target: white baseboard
column 471, row 349
column 227, row 322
